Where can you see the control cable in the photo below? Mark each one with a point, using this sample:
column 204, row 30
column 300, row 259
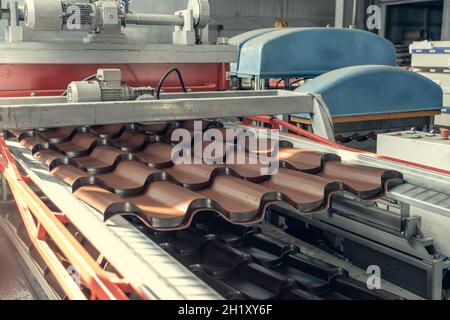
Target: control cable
column 164, row 78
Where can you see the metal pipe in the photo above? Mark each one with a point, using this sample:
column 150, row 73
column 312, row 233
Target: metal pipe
column 354, row 13
column 445, row 21
column 154, row 19
column 4, row 187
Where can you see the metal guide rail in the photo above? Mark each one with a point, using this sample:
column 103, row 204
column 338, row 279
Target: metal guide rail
column 51, row 112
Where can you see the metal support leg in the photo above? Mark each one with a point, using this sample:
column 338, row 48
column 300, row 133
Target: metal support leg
column 4, row 188
column 321, row 120
column 435, row 286
column 445, row 21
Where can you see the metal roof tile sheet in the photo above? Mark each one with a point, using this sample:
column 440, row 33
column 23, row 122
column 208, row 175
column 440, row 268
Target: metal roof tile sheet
column 128, row 169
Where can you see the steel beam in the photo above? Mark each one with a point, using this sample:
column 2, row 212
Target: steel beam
column 169, row 108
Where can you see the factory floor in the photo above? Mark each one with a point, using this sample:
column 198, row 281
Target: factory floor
column 13, row 283
column 17, row 281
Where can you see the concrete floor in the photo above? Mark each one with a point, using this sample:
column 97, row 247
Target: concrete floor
column 13, row 285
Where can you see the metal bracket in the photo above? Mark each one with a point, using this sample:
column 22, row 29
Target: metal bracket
column 4, row 188
column 13, row 31
column 412, row 227
column 321, row 119
column 185, row 34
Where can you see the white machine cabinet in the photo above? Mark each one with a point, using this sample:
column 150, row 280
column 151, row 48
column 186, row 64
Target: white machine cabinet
column 432, row 60
column 418, row 147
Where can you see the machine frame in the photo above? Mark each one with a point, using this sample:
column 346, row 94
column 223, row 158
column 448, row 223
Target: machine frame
column 123, row 245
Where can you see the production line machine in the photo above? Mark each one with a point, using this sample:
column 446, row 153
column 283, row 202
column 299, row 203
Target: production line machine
column 311, row 52
column 43, row 51
column 432, row 60
column 82, row 202
column 97, row 208
column 349, row 69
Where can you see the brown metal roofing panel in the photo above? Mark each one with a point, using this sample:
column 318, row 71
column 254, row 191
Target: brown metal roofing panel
column 365, row 182
column 130, row 140
column 236, row 196
column 128, row 175
column 80, row 143
column 193, row 176
column 306, row 192
column 157, row 155
column 154, row 128
column 47, row 156
column 190, row 124
column 101, row 159
column 108, row 131
column 56, row 135
column 304, row 160
column 99, row 198
column 69, row 174
column 120, row 169
column 31, row 142
column 252, row 170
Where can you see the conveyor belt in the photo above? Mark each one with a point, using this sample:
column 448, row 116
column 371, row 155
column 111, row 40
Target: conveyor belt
column 128, row 169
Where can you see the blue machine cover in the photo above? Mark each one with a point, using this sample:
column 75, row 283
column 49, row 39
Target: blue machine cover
column 365, row 90
column 308, row 52
column 242, row 39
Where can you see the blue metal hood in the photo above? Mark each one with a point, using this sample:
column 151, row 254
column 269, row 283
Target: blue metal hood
column 241, row 39
column 367, row 90
column 308, row 52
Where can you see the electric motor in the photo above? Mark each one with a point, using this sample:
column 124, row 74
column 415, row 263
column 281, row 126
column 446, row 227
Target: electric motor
column 43, row 15
column 107, row 87
column 72, row 15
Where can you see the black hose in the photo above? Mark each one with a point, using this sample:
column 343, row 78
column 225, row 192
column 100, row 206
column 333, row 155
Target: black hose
column 294, row 82
column 279, row 82
column 164, row 78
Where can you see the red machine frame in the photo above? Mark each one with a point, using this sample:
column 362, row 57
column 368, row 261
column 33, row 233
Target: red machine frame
column 21, row 80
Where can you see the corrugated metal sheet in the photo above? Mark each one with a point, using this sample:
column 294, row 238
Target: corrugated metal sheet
column 129, row 169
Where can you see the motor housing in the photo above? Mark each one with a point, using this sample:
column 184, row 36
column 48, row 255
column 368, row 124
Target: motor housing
column 107, row 86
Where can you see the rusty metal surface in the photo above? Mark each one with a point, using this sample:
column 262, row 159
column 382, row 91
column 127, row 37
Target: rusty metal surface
column 129, row 170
